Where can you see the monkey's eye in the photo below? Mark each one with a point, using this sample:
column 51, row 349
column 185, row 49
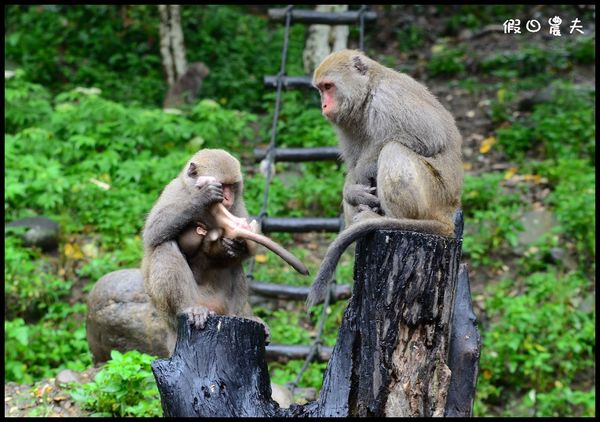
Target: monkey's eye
column 327, row 86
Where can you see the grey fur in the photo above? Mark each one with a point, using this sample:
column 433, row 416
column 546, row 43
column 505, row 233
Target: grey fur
column 402, row 149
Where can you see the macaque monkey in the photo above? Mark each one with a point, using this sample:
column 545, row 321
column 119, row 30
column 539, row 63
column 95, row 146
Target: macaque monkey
column 187, row 87
column 190, row 264
column 402, row 150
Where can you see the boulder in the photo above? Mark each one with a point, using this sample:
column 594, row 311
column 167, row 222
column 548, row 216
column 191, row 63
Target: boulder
column 122, row 317
column 42, row 232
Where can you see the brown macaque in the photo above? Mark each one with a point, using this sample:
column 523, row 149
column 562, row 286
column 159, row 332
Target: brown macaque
column 190, row 266
column 187, row 87
column 402, row 150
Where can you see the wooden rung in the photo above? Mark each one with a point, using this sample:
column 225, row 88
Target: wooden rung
column 300, row 154
column 289, row 82
column 300, row 224
column 284, row 291
column 327, row 18
column 286, row 352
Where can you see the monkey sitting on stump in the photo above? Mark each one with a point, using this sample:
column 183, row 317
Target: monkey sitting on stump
column 209, row 277
column 402, row 150
column 195, row 239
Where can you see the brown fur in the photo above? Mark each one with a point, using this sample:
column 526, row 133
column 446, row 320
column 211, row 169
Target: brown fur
column 402, row 149
column 207, row 277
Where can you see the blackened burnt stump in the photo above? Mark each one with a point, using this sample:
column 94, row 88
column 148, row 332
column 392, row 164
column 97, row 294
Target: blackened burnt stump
column 391, row 356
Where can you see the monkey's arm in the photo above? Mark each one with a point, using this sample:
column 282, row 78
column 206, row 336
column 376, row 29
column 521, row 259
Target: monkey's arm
column 170, row 283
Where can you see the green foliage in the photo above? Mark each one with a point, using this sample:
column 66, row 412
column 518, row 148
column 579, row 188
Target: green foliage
column 124, row 387
column 56, row 51
column 286, row 328
column 286, row 373
column 58, row 341
column 492, row 219
column 53, row 47
column 471, row 16
column 536, row 359
column 525, row 62
column 240, row 50
column 582, row 50
column 25, row 104
column 446, row 61
column 573, row 200
column 31, row 283
column 101, row 158
column 411, row 37
column 564, row 127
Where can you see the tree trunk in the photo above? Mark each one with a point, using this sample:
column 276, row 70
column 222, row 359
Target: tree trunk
column 172, row 47
column 165, row 44
column 391, row 355
column 322, row 37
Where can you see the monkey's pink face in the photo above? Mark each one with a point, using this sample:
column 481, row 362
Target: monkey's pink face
column 328, row 103
column 228, row 195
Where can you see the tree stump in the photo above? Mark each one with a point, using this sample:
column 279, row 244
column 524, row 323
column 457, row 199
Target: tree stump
column 390, row 359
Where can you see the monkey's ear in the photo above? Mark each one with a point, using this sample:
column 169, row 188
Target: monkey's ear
column 192, row 170
column 359, row 65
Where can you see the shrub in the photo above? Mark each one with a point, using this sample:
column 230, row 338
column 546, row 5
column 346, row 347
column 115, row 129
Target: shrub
column 539, row 339
column 58, row 341
column 562, row 128
column 446, row 61
column 491, row 219
column 124, row 387
column 573, row 200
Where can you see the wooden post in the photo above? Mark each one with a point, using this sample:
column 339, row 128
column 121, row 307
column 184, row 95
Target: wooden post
column 391, row 355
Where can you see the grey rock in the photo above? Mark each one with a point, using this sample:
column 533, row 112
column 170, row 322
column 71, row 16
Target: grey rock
column 535, row 224
column 560, row 256
column 282, row 395
column 42, row 232
column 121, row 317
column 65, row 376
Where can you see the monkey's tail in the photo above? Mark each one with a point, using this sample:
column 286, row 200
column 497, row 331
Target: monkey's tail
column 276, row 248
column 320, row 284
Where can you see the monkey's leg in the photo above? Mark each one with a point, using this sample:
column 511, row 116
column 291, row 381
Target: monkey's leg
column 404, row 182
column 172, row 286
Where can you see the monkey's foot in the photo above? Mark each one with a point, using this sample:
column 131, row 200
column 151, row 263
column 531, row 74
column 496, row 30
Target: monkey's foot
column 365, row 212
column 265, row 327
column 361, row 195
column 197, row 315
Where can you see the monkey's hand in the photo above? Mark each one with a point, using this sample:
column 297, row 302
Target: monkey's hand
column 361, row 195
column 209, row 194
column 197, row 315
column 234, row 248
